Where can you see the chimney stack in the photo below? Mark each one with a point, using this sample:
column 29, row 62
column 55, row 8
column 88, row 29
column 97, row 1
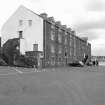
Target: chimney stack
column 43, row 15
column 58, row 23
column 51, row 19
column 64, row 26
column 73, row 32
column 84, row 38
column 69, row 29
column 35, row 47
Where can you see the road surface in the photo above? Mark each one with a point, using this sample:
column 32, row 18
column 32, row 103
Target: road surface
column 61, row 86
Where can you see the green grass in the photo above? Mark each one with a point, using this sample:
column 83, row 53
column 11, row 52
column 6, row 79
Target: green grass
column 69, row 87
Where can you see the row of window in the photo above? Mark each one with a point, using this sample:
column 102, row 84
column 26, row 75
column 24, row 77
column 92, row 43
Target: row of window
column 60, row 50
column 53, row 62
column 21, row 22
column 53, row 49
column 52, row 36
column 60, row 39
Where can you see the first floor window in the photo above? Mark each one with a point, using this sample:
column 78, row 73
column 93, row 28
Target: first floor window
column 65, row 33
column 59, row 38
column 65, row 42
column 60, row 49
column 70, row 42
column 52, row 35
column 52, row 48
column 70, row 51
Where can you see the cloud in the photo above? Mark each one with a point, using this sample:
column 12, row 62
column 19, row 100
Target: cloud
column 33, row 1
column 98, row 47
column 90, row 25
column 93, row 29
column 91, row 34
column 95, row 5
column 98, row 50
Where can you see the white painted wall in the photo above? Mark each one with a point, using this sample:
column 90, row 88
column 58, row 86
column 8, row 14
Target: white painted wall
column 31, row 34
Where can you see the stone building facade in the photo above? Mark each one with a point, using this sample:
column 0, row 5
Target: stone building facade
column 61, row 45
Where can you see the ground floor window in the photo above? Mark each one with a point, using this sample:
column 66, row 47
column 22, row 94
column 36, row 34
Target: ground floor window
column 52, row 61
column 59, row 60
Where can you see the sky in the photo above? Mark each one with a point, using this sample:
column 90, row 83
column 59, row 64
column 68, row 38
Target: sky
column 86, row 17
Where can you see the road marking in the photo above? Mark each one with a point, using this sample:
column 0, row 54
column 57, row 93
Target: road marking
column 17, row 70
column 8, row 74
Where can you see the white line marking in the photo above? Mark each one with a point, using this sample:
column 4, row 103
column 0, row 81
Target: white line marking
column 9, row 74
column 17, row 70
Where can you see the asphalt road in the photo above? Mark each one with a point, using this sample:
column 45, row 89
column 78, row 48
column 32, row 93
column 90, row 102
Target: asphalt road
column 61, row 86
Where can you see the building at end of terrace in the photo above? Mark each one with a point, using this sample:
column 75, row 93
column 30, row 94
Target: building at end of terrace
column 52, row 43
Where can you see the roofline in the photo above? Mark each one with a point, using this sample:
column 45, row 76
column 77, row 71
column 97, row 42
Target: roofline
column 31, row 11
column 51, row 23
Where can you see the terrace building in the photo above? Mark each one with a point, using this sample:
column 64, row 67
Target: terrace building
column 57, row 44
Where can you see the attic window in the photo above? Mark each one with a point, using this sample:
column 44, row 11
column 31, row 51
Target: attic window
column 20, row 22
column 30, row 22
